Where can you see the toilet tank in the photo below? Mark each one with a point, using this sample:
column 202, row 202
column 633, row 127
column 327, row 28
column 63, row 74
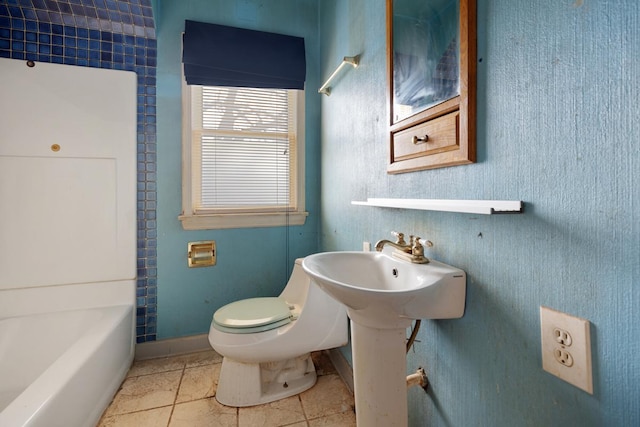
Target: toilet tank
column 321, row 315
column 295, row 292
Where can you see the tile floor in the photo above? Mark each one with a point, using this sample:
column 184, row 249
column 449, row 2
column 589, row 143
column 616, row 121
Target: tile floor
column 179, row 392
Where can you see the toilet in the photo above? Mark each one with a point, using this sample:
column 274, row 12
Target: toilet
column 266, row 342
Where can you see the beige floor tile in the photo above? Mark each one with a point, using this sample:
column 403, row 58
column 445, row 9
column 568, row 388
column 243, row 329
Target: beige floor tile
column 145, row 392
column 152, row 386
column 202, row 358
column 199, row 383
column 151, row 418
column 203, row 413
column 154, row 366
column 329, row 396
column 344, row 419
column 280, row 413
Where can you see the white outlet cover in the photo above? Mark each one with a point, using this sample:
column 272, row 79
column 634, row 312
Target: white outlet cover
column 580, row 372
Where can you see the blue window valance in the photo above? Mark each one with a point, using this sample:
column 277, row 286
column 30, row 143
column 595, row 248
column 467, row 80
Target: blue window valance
column 217, row 55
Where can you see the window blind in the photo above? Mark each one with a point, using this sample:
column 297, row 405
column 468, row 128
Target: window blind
column 245, row 139
column 218, row 55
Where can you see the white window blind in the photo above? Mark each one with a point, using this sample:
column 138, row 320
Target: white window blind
column 243, row 149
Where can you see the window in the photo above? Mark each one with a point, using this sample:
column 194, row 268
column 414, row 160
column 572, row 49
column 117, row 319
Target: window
column 243, row 157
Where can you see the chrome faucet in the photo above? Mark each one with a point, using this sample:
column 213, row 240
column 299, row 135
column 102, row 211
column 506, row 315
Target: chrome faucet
column 412, row 251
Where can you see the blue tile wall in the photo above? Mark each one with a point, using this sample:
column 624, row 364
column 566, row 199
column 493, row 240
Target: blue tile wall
column 113, row 34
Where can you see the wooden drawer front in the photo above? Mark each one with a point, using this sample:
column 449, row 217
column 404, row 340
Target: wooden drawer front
column 442, row 132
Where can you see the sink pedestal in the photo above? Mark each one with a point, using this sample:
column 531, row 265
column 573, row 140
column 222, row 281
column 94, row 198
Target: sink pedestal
column 382, row 295
column 379, row 376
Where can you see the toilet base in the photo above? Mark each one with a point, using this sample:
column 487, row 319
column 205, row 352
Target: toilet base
column 248, row 384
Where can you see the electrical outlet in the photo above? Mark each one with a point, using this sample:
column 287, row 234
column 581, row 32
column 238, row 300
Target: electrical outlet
column 562, row 337
column 566, row 347
column 563, row 356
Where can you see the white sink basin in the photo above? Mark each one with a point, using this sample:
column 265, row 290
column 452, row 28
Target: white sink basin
column 383, row 292
column 383, row 295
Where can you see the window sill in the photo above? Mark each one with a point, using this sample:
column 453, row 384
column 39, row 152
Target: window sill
column 251, row 220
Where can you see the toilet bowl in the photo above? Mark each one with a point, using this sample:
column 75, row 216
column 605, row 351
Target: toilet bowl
column 266, row 343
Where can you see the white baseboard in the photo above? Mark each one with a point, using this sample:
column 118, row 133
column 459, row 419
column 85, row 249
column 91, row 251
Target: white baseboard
column 172, row 347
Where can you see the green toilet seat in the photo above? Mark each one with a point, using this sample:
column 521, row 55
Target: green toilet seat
column 253, row 315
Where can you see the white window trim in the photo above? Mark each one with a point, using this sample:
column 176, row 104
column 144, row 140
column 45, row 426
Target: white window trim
column 202, row 221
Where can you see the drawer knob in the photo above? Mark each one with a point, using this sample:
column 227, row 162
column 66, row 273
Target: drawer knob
column 418, row 140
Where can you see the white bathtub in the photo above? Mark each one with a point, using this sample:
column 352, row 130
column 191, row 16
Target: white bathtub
column 63, row 368
column 68, row 241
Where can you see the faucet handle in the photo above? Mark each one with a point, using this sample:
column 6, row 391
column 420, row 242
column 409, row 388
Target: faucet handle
column 425, row 243
column 420, row 244
column 399, row 238
column 417, row 250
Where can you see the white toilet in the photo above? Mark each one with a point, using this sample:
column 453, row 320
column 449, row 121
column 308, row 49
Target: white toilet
column 266, row 342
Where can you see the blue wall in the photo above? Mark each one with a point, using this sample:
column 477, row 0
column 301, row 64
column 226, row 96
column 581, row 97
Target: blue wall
column 558, row 128
column 251, row 262
column 112, row 34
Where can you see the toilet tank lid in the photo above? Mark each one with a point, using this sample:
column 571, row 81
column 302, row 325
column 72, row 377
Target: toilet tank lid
column 252, row 312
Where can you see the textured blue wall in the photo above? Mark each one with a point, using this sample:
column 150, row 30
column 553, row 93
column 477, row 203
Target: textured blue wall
column 558, row 128
column 251, row 262
column 112, row 34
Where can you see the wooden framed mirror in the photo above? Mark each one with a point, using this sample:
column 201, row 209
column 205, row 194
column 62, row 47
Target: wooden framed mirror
column 431, row 62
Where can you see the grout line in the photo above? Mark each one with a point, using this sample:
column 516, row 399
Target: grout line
column 153, row 373
column 175, row 399
column 306, row 418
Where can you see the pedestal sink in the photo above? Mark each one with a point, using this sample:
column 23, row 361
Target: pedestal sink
column 383, row 295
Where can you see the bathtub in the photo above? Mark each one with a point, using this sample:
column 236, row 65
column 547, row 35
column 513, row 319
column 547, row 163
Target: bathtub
column 62, row 369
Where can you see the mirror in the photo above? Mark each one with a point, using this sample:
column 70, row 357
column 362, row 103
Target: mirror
column 426, row 54
column 431, row 47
